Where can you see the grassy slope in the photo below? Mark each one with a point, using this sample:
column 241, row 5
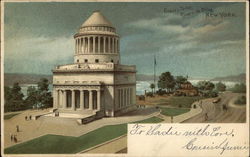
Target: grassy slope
column 173, row 111
column 184, row 101
column 51, row 144
column 6, row 117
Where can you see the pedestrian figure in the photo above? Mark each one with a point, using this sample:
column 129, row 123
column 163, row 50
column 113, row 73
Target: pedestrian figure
column 11, row 137
column 172, row 119
column 206, row 117
column 17, row 128
column 30, row 117
column 15, row 139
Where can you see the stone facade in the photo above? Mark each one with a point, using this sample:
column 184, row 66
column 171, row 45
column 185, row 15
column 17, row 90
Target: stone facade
column 96, row 81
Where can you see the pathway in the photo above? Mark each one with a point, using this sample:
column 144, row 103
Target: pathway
column 63, row 126
column 216, row 114
column 182, row 117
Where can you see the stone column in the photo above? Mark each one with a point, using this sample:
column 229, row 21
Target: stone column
column 60, row 98
column 94, row 44
column 90, row 100
column 109, row 45
column 88, row 44
column 78, row 45
column 84, row 44
column 129, row 96
column 104, row 44
column 113, row 45
column 81, row 45
column 118, row 46
column 98, row 100
column 75, row 46
column 73, row 100
column 64, row 99
column 99, row 44
column 124, row 96
column 81, row 99
column 120, row 96
column 55, row 98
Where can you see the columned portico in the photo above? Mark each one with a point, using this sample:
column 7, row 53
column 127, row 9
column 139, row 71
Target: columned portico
column 75, row 99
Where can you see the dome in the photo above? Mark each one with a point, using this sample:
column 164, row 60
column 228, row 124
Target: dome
column 97, row 19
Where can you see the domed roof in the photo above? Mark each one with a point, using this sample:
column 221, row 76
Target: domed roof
column 97, row 19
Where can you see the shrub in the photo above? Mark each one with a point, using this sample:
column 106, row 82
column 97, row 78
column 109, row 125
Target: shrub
column 161, row 92
column 210, row 93
column 239, row 88
column 149, row 94
column 141, row 97
column 241, row 100
column 213, row 94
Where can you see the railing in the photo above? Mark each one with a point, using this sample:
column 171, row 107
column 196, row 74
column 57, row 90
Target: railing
column 89, row 66
column 79, row 82
column 94, row 66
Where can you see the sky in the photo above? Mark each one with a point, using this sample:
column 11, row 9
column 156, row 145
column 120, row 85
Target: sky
column 201, row 40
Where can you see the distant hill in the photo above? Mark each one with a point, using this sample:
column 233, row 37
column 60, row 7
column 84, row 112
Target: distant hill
column 10, row 78
column 233, row 78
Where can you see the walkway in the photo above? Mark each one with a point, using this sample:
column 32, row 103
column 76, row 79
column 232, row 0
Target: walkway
column 216, row 114
column 182, row 117
column 63, row 126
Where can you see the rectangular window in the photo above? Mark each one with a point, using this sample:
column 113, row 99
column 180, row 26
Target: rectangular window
column 97, row 60
column 85, row 60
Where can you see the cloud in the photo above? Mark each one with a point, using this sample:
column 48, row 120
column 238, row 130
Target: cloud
column 39, row 36
column 187, row 34
column 27, row 53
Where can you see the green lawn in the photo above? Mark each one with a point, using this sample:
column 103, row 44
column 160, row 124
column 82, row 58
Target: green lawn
column 6, row 117
column 56, row 144
column 150, row 120
column 183, row 101
column 173, row 111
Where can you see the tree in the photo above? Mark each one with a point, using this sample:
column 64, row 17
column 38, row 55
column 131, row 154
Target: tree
column 44, row 96
column 220, row 86
column 239, row 88
column 13, row 98
column 166, row 81
column 152, row 86
column 205, row 85
column 180, row 80
column 7, row 98
column 32, row 97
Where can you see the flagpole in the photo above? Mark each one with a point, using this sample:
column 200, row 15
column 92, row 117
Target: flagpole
column 154, row 71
